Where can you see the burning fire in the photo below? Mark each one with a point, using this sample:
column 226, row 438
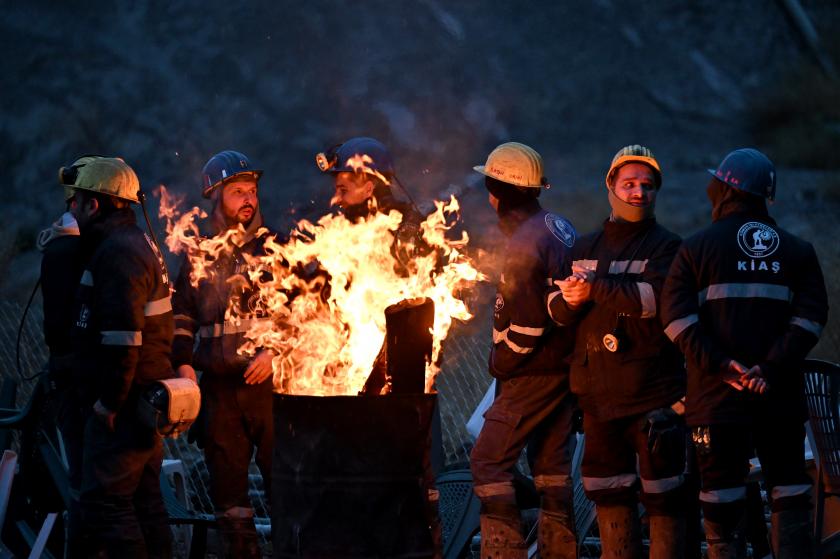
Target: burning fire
column 327, row 289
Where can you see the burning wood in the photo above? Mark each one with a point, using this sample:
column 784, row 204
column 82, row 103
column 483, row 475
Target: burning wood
column 327, row 290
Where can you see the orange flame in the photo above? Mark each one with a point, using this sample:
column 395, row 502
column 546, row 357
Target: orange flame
column 327, row 288
column 361, row 164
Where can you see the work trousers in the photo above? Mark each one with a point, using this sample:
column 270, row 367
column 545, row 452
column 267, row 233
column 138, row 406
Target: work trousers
column 609, row 465
column 238, row 419
column 723, row 453
column 121, row 500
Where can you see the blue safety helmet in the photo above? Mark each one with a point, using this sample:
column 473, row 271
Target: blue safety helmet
column 334, row 160
column 222, row 167
column 749, row 170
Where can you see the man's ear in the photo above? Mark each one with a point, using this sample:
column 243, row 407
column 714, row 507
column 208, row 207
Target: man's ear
column 92, row 207
column 368, row 189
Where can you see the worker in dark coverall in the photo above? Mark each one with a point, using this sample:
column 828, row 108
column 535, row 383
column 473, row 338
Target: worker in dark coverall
column 236, row 390
column 625, row 372
column 62, row 263
column 745, row 301
column 124, row 333
column 533, row 405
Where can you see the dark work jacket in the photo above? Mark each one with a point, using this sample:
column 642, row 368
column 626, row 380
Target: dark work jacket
column 744, row 289
column 62, row 263
column 647, row 371
column 200, row 311
column 525, row 342
column 124, row 326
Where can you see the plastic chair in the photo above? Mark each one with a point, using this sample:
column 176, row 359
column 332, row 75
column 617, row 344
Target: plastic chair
column 179, row 512
column 822, row 391
column 459, row 511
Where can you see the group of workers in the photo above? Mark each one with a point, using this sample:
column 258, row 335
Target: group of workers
column 677, row 352
column 671, row 349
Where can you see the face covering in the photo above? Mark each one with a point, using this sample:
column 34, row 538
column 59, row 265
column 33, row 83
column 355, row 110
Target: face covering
column 622, row 211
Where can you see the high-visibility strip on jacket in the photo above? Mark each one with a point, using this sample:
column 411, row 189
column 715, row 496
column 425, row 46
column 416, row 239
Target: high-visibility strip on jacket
column 525, row 342
column 743, row 288
column 124, row 327
column 630, row 261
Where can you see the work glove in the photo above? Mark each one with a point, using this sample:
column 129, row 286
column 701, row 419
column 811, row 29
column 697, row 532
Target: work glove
column 664, row 431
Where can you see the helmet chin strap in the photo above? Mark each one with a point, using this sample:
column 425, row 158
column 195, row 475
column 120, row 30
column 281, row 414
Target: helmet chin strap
column 622, row 211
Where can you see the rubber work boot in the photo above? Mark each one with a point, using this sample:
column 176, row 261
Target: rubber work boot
column 501, row 533
column 790, row 534
column 239, row 535
column 667, row 537
column 620, row 531
column 556, row 537
column 723, row 543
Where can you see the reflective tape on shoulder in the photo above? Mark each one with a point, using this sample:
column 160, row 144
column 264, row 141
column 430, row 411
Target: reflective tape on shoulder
column 122, row 337
column 728, row 495
column 86, row 279
column 676, row 327
column 611, row 482
column 159, row 306
column 745, row 291
column 663, row 485
column 647, row 298
column 811, row 326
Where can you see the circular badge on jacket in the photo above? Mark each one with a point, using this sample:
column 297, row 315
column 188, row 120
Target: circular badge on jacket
column 757, row 239
column 561, row 229
column 500, row 302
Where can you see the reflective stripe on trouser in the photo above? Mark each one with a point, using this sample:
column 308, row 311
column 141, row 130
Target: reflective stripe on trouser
column 613, row 449
column 533, row 409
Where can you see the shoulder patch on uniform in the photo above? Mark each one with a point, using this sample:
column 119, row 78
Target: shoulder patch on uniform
column 561, row 229
column 757, row 240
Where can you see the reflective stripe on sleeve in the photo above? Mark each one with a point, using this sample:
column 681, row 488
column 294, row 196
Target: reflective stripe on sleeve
column 811, row 326
column 184, row 332
column 782, row 491
column 648, row 299
column 651, row 486
column 527, row 330
column 501, row 336
column 676, row 327
column 611, row 482
column 630, row 266
column 159, row 306
column 122, row 337
column 184, row 317
column 87, row 279
column 728, row 495
column 745, row 291
column 218, row 330
column 590, row 265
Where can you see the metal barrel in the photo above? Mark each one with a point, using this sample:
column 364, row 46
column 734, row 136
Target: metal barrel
column 350, row 476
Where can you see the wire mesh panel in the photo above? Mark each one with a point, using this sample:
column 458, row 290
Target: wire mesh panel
column 822, row 383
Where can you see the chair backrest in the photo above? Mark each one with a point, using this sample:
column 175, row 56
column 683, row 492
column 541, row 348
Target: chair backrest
column 822, row 394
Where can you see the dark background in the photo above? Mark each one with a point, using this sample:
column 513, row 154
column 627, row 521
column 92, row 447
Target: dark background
column 167, row 84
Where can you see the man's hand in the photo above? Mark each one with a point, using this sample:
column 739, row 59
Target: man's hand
column 259, row 368
column 739, row 377
column 107, row 416
column 577, row 288
column 186, row 371
column 754, row 380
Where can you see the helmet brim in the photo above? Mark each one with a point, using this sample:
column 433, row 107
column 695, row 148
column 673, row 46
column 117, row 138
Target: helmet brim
column 255, row 173
column 483, row 170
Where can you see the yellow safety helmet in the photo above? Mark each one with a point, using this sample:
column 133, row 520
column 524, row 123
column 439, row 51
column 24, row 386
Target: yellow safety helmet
column 515, row 164
column 106, row 175
column 634, row 154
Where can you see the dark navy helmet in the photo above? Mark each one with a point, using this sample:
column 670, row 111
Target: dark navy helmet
column 224, row 166
column 360, row 155
column 749, row 170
